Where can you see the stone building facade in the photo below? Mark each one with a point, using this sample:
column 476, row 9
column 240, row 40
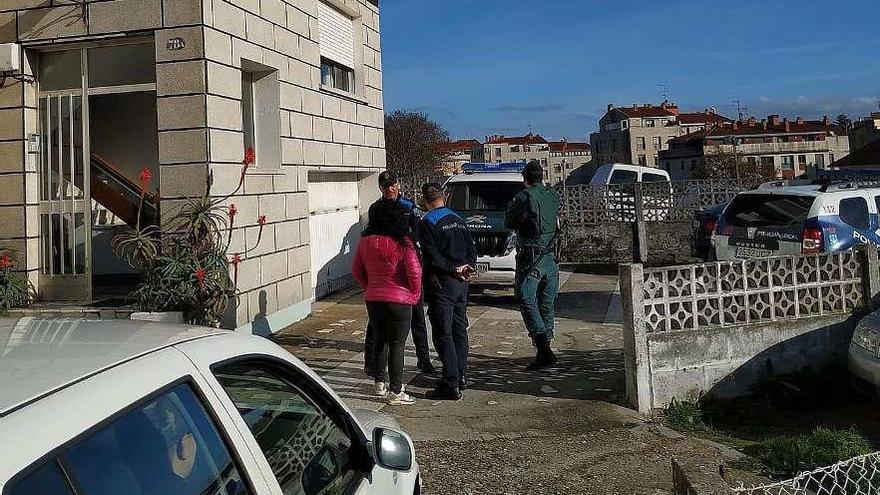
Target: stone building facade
column 183, row 87
column 636, row 135
column 789, row 147
column 566, row 157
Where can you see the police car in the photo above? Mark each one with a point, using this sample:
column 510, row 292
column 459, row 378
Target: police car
column 480, row 196
column 799, row 217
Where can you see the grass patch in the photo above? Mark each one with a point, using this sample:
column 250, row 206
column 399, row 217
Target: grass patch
column 790, row 454
column 685, row 415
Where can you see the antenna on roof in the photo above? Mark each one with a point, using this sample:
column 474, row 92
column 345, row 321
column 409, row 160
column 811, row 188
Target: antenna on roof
column 740, row 109
column 665, row 88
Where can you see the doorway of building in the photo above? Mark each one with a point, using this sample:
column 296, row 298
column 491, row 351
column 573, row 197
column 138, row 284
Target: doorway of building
column 99, row 130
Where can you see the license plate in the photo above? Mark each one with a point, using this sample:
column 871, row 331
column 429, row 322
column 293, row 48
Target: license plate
column 482, row 267
column 748, row 253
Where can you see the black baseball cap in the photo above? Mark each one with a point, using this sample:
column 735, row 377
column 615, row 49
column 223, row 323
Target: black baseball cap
column 387, row 179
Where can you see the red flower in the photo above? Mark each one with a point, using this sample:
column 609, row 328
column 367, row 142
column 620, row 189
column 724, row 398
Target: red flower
column 236, row 259
column 232, row 211
column 250, row 156
column 261, row 220
column 145, row 176
column 200, row 274
column 5, row 262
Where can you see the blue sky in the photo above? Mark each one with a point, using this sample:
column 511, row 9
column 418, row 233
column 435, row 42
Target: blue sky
column 496, row 66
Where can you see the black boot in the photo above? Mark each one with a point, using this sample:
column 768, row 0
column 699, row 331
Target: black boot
column 544, row 356
column 426, row 368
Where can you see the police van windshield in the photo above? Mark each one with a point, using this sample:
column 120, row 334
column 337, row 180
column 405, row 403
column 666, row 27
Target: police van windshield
column 484, row 196
column 769, row 210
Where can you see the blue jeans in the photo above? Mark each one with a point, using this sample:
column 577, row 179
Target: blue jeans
column 536, row 293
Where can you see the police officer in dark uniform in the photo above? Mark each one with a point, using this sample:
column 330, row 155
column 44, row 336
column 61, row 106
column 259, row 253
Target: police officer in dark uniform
column 449, row 257
column 534, row 214
column 389, row 185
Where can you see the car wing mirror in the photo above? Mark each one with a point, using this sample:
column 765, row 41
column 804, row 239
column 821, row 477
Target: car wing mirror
column 392, row 449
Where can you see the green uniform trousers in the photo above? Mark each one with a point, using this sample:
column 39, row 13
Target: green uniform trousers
column 536, row 293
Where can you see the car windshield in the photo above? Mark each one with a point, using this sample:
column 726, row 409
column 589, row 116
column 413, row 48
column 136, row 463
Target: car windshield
column 768, row 210
column 484, row 196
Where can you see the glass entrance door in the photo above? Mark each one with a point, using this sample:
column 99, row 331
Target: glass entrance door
column 64, row 207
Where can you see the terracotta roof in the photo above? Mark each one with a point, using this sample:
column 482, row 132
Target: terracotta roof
column 459, row 146
column 560, row 146
column 866, row 156
column 758, row 129
column 647, row 111
column 696, row 118
column 527, row 139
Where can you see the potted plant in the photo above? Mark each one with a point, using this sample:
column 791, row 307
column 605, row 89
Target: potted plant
column 16, row 290
column 186, row 264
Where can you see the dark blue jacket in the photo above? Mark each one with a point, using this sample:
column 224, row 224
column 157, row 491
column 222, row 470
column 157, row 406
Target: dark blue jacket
column 446, row 242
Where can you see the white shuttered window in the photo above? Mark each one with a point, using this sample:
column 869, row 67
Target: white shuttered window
column 336, row 35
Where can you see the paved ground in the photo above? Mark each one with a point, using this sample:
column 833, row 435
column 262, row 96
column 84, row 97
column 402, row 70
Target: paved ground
column 563, row 430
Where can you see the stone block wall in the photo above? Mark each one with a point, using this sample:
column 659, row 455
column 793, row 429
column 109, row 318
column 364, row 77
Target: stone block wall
column 200, row 122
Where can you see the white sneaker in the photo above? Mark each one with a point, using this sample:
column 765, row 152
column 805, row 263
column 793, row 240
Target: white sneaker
column 401, row 399
column 381, row 389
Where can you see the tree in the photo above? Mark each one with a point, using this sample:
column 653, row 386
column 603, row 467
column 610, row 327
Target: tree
column 413, row 143
column 844, row 122
column 724, row 165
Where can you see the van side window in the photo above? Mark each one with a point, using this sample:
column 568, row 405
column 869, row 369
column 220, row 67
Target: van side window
column 649, row 177
column 624, row 177
column 854, row 212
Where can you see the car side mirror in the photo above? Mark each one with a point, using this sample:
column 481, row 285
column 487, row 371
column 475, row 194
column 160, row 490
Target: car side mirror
column 393, row 450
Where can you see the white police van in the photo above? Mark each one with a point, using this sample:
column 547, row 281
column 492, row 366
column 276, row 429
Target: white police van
column 480, row 196
column 799, row 217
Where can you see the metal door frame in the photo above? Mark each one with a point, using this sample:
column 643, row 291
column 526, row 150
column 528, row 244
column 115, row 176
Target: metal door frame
column 77, row 286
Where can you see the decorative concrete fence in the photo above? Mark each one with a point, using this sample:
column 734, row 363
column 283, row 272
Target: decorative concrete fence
column 718, row 328
column 627, row 222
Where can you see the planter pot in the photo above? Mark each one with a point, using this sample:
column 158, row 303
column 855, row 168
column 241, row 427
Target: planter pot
column 163, row 317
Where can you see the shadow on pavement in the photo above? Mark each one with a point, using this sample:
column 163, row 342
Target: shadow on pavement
column 585, row 375
column 586, row 306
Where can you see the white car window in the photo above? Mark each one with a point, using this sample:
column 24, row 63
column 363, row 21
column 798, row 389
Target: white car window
column 168, row 445
column 308, row 451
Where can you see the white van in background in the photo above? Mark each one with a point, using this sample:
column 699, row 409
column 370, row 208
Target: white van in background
column 615, row 185
column 620, row 173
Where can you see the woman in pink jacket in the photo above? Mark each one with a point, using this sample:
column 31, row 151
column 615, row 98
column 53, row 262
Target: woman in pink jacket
column 386, row 265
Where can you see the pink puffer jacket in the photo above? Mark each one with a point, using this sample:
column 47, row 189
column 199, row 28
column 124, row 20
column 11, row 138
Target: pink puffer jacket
column 387, row 271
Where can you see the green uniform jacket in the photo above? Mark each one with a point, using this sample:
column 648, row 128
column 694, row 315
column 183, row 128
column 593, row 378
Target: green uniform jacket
column 533, row 215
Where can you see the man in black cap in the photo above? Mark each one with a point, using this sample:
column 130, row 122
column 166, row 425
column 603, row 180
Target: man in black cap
column 389, row 185
column 449, row 257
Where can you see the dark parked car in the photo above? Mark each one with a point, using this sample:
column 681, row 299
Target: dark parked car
column 705, row 221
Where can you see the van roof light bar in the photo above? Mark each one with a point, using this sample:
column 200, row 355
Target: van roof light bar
column 474, row 167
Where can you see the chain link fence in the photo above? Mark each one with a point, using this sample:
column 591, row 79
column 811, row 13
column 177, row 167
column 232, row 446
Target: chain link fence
column 857, row 476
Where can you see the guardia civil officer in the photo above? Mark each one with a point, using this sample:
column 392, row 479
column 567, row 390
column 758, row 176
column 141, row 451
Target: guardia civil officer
column 449, row 256
column 533, row 214
column 389, row 186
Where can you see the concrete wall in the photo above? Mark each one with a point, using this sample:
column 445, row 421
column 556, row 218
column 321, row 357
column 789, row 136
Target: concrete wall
column 726, row 362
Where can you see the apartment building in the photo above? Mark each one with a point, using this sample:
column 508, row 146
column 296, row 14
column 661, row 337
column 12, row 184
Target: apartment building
column 864, row 131
column 638, row 133
column 456, row 153
column 790, row 147
column 105, row 88
column 566, row 157
column 504, row 149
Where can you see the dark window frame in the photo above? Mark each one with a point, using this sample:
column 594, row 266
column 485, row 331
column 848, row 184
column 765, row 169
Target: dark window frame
column 337, row 76
column 361, row 445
